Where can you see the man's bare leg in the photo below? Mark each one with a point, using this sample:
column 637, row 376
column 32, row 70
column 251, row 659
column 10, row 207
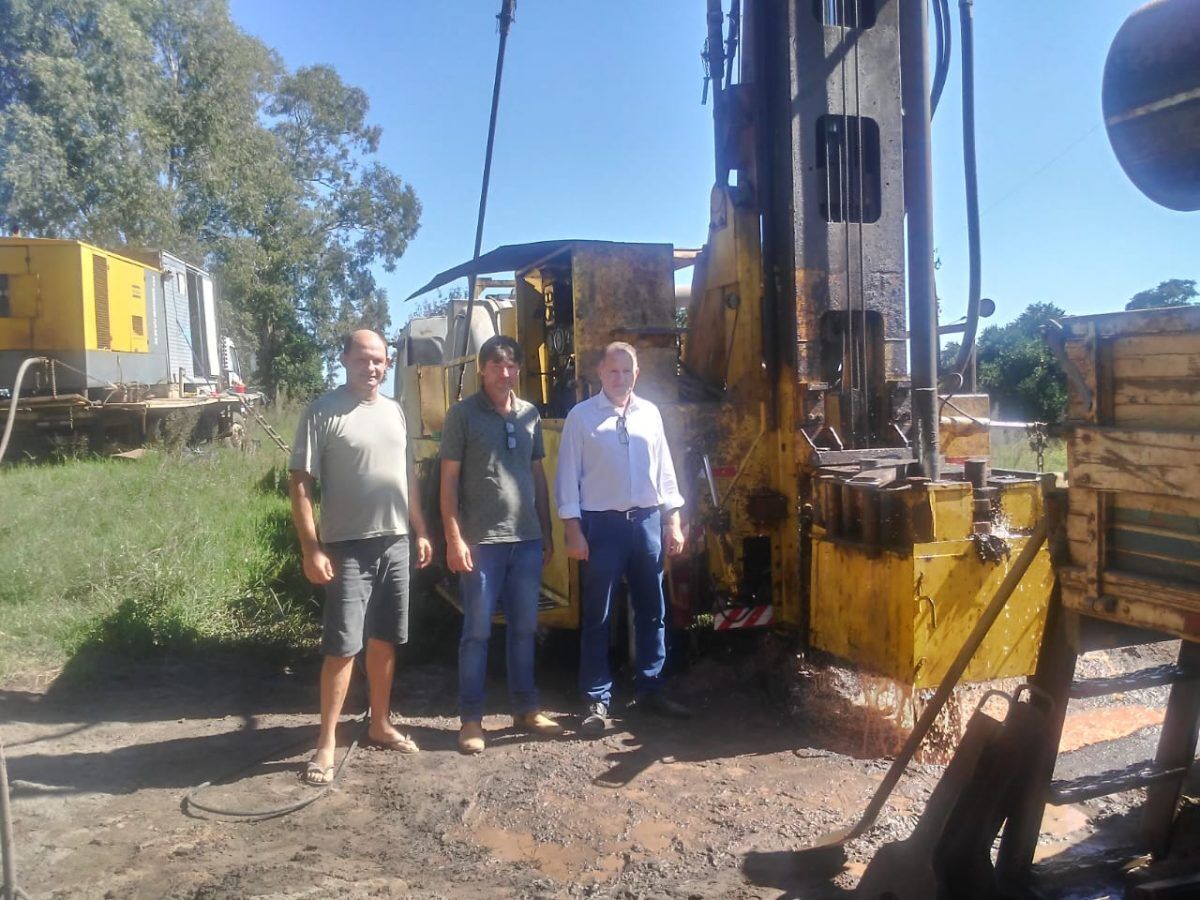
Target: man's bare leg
column 335, row 684
column 381, row 669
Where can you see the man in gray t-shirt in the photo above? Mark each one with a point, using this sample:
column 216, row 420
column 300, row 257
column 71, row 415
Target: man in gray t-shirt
column 496, row 512
column 354, row 442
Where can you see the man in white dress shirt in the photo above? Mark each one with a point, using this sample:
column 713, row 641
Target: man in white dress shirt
column 619, row 502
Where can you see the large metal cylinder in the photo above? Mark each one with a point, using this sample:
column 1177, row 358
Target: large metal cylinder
column 1151, row 101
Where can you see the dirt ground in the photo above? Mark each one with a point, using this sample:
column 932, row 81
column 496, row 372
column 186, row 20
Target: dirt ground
column 712, row 807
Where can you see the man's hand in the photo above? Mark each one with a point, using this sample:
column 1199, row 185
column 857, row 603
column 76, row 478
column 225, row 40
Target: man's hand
column 424, row 551
column 673, row 535
column 547, row 550
column 318, row 567
column 577, row 545
column 458, row 556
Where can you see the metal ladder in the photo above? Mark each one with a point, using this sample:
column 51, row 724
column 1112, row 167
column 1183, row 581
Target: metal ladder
column 265, row 425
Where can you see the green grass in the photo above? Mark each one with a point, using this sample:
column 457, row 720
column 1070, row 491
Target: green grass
column 165, row 554
column 1011, row 450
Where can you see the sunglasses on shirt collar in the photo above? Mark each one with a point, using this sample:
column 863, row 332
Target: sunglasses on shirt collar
column 511, row 431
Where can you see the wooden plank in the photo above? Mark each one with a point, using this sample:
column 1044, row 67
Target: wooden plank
column 1154, row 589
column 1157, row 391
column 1145, row 415
column 1173, row 569
column 1146, row 462
column 1138, row 322
column 1165, row 542
column 1165, row 344
column 1083, row 531
column 1105, row 384
column 1155, row 366
column 1158, row 511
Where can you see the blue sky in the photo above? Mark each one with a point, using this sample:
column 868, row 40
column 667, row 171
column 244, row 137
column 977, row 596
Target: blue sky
column 602, row 135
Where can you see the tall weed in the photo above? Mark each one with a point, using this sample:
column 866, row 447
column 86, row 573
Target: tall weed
column 167, row 553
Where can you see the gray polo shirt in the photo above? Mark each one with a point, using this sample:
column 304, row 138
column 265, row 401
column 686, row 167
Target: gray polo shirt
column 495, row 488
column 357, row 451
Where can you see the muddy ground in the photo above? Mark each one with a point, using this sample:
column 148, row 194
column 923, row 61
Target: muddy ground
column 713, row 807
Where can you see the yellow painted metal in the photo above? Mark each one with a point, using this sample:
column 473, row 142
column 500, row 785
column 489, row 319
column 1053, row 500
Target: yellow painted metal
column 905, row 615
column 53, row 297
column 964, row 432
column 1021, row 504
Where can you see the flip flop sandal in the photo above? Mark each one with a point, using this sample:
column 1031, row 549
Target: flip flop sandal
column 317, row 775
column 402, row 744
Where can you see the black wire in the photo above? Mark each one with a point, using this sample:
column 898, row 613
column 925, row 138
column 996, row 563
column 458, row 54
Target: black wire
column 967, row 349
column 944, row 33
column 190, row 800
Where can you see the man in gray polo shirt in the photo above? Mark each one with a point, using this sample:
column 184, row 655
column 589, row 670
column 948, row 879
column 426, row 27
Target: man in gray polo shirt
column 496, row 512
column 354, row 441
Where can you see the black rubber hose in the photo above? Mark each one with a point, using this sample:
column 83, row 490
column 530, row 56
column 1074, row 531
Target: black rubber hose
column 974, row 290
column 943, row 32
column 256, row 815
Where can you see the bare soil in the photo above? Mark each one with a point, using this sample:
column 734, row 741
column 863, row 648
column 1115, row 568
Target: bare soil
column 712, row 807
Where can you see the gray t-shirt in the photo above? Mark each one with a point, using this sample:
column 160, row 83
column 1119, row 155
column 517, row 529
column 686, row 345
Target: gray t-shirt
column 495, row 489
column 358, row 452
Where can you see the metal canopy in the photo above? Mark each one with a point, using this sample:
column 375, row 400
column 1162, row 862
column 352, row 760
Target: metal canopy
column 509, row 258
column 517, row 257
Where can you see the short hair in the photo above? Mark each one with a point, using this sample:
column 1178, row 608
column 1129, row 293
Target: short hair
column 348, row 340
column 499, row 345
column 624, row 347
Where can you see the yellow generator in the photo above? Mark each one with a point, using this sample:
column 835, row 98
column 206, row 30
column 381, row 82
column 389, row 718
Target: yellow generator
column 108, row 344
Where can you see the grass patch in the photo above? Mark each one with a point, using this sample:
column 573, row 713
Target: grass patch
column 1011, row 450
column 168, row 553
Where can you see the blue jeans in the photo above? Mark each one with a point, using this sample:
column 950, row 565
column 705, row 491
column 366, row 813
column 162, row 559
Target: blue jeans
column 508, row 575
column 630, row 548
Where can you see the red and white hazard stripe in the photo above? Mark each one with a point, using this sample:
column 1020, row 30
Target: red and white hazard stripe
column 744, row 617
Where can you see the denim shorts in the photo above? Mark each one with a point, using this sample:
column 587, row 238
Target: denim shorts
column 368, row 597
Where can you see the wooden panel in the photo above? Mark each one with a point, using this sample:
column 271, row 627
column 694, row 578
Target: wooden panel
column 1135, row 600
column 1114, row 459
column 1159, row 510
column 1156, row 415
column 1157, row 391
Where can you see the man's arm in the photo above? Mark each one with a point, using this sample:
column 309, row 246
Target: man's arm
column 318, row 567
column 458, row 554
column 668, row 489
column 541, row 499
column 566, row 488
column 416, row 516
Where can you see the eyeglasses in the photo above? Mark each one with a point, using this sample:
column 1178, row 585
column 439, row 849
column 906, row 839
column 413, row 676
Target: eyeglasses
column 622, row 431
column 511, row 430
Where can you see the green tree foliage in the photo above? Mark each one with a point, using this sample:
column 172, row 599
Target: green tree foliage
column 1016, row 368
column 1173, row 292
column 160, row 123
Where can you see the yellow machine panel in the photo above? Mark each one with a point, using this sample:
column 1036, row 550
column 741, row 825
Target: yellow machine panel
column 902, row 570
column 68, row 295
column 906, row 615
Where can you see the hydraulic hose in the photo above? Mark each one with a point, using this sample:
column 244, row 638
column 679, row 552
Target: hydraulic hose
column 943, row 33
column 190, row 800
column 12, row 404
column 964, row 364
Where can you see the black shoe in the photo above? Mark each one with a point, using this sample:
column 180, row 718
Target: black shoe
column 661, row 706
column 595, row 721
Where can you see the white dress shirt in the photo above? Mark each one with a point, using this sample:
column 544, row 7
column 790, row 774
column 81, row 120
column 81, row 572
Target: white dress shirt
column 597, row 472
